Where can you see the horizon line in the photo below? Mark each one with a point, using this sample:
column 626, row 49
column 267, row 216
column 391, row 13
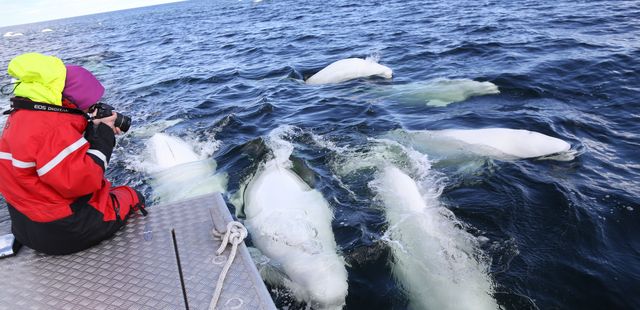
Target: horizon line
column 90, row 14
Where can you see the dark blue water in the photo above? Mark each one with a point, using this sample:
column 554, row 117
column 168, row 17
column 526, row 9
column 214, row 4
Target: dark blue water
column 563, row 235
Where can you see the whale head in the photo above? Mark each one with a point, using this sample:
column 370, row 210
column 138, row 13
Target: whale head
column 166, row 151
column 178, row 172
column 327, row 292
column 386, row 72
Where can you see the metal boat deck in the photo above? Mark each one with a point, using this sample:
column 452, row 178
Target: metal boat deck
column 166, row 260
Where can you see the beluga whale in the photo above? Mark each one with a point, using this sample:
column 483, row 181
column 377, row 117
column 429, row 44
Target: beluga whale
column 12, row 34
column 437, row 263
column 439, row 92
column 349, row 69
column 290, row 223
column 495, row 143
column 434, row 260
column 178, row 172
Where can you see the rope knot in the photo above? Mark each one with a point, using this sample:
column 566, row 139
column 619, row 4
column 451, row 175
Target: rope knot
column 235, row 234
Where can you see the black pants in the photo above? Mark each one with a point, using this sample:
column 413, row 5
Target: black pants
column 79, row 231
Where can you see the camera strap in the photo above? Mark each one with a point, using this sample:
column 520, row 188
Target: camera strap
column 25, row 104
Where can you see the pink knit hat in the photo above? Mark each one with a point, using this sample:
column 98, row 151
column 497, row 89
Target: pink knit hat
column 81, row 87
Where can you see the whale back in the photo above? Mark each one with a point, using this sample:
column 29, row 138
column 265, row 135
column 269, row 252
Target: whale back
column 441, row 92
column 497, row 143
column 348, row 69
column 513, row 142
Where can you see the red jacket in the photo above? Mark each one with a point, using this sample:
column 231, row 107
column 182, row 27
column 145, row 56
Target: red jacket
column 47, row 162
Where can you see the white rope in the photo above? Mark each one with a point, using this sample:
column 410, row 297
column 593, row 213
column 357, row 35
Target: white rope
column 234, row 235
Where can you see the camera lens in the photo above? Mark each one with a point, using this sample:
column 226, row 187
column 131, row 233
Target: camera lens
column 123, row 122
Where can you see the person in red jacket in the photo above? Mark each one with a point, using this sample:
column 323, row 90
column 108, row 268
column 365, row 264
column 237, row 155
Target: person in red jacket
column 53, row 159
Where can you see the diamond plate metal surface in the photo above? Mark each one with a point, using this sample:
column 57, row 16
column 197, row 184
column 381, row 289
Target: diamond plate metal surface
column 137, row 269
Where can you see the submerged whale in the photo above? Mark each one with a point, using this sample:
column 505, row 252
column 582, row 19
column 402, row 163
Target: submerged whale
column 348, row 69
column 290, row 223
column 439, row 92
column 435, row 261
column 178, row 172
column 497, row 143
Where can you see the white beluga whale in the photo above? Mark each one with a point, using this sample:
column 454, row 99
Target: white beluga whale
column 495, row 143
column 290, row 223
column 178, row 172
column 349, row 69
column 439, row 92
column 437, row 263
column 434, row 260
column 12, row 34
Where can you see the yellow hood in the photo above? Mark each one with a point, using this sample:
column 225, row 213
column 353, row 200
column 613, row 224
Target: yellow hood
column 40, row 77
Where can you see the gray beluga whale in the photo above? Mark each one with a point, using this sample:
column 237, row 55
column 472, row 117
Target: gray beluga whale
column 436, row 262
column 349, row 69
column 439, row 92
column 496, row 143
column 178, row 172
column 290, row 223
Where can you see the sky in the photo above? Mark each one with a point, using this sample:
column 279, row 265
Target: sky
column 17, row 12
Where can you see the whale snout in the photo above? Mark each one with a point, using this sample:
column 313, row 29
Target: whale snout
column 387, row 73
column 329, row 289
column 331, row 297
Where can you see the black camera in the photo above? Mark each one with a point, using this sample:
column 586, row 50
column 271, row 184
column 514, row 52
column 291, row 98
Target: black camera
column 104, row 110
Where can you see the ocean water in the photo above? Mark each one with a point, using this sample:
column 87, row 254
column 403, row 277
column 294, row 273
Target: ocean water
column 555, row 234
